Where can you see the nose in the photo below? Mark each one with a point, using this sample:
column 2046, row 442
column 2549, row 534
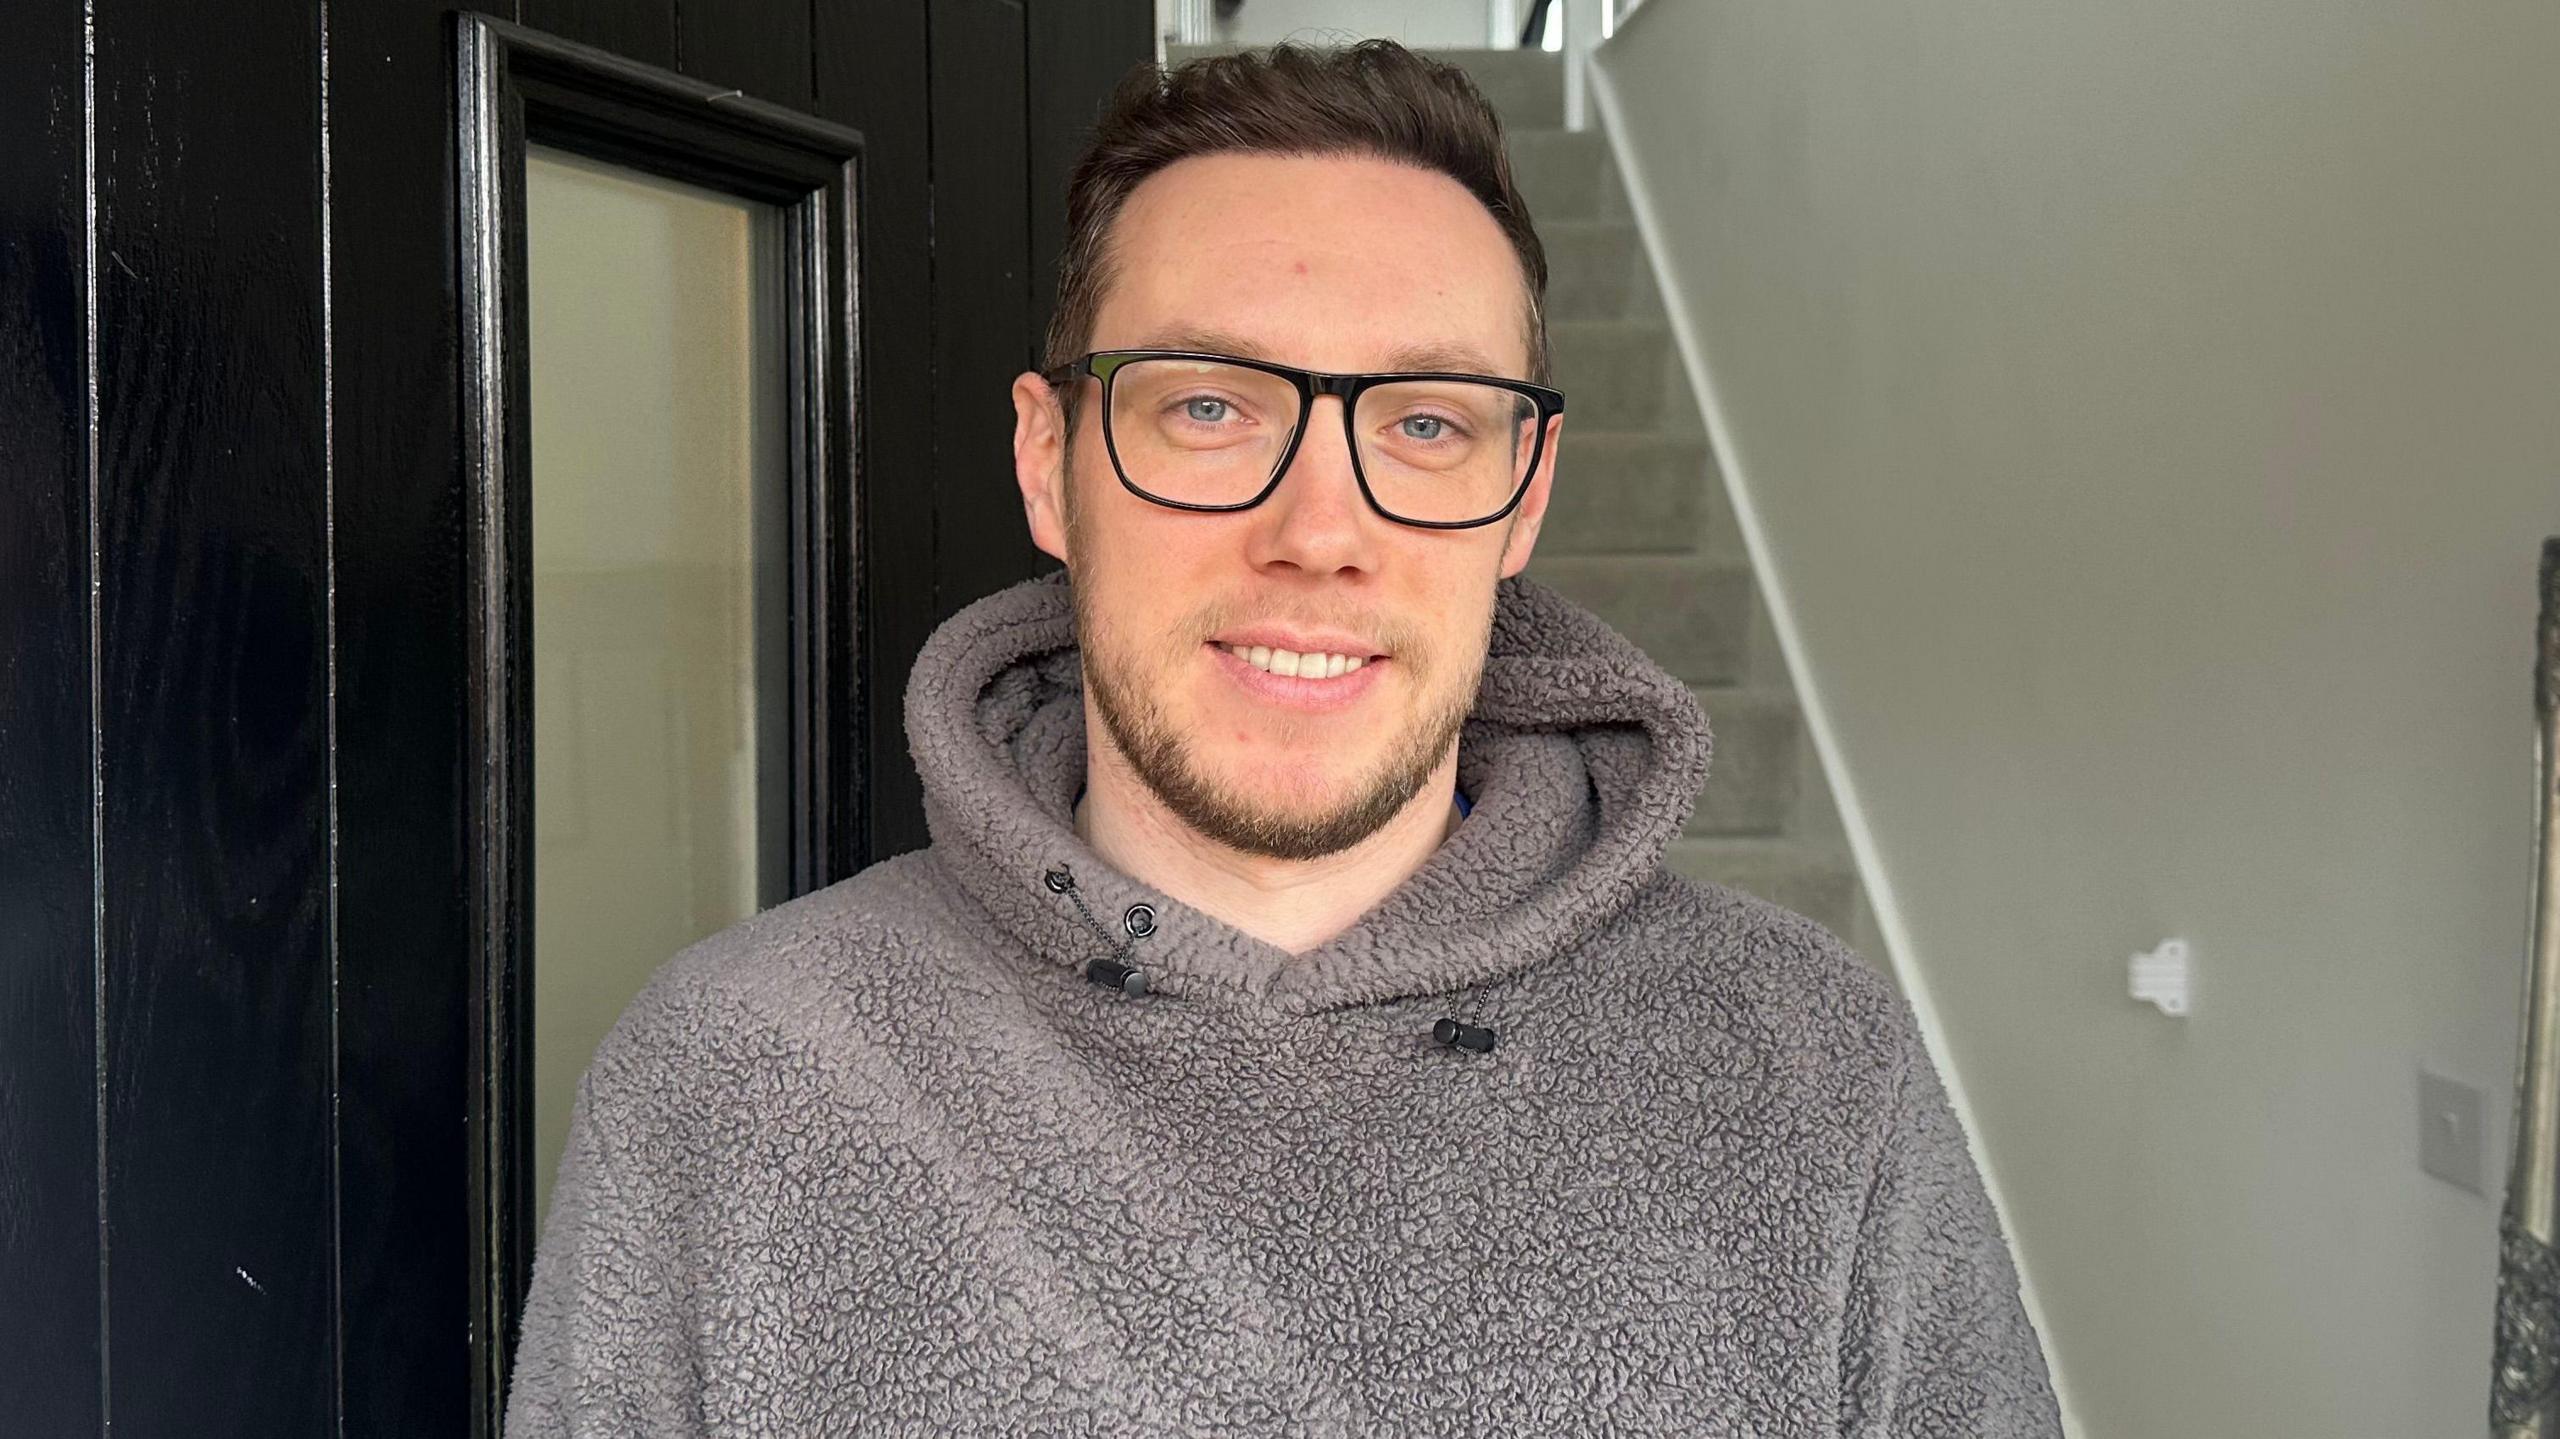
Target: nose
column 1316, row 520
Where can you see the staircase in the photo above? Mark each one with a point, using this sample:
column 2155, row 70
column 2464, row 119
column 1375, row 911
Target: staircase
column 1639, row 529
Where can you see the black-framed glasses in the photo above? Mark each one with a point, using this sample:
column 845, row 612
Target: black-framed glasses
column 1199, row 431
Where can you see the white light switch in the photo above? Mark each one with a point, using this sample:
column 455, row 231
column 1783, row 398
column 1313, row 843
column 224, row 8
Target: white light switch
column 2450, row 1144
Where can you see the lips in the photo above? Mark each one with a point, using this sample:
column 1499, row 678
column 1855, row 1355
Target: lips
column 1303, row 692
column 1302, row 640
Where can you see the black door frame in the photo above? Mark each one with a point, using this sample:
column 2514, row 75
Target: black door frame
column 516, row 87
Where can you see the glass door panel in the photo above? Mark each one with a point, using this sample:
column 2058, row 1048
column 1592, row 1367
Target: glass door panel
column 659, row 499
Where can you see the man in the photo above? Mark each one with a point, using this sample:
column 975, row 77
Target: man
column 1291, row 1028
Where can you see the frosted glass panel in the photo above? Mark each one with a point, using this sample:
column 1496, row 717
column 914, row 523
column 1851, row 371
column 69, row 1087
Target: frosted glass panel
column 659, row 504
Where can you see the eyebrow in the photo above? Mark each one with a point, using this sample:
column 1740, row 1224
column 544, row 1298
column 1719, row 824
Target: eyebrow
column 1421, row 355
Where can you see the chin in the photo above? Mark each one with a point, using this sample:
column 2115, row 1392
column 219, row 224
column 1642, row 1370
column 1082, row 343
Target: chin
column 1289, row 793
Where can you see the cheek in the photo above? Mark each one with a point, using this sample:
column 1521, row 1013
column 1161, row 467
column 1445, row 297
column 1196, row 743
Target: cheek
column 1449, row 603
column 1145, row 584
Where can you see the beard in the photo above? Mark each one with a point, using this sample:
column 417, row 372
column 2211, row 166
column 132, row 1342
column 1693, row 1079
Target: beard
column 1165, row 759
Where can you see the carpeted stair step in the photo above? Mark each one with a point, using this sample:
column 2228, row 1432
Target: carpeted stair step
column 1752, row 780
column 1692, row 616
column 1525, row 86
column 1595, row 269
column 1614, row 372
column 1565, row 175
column 1621, row 493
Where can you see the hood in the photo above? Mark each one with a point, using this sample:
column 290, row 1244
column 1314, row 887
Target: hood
column 1581, row 758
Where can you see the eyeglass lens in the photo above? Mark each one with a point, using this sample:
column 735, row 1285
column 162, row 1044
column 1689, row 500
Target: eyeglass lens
column 1202, row 433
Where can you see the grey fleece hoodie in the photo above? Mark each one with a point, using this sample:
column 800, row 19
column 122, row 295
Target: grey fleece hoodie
column 885, row 1159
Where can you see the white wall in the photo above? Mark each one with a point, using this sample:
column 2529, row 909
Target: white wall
column 2150, row 415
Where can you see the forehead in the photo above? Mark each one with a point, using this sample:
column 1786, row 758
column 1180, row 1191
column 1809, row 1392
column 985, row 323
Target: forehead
column 1335, row 262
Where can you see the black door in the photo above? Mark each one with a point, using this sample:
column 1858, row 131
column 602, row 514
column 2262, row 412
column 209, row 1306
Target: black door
column 266, row 693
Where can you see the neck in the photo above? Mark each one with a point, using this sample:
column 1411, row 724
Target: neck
column 1292, row 904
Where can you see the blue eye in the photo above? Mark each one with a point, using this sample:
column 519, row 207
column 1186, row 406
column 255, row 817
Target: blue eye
column 1424, row 427
column 1204, row 409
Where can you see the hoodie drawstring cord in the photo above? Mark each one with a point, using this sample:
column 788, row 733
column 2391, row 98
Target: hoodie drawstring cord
column 1116, row 972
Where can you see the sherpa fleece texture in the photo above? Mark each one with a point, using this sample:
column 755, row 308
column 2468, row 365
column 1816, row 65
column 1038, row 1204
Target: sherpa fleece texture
column 882, row 1160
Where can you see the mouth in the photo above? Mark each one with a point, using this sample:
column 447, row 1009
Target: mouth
column 1308, row 681
column 1296, row 664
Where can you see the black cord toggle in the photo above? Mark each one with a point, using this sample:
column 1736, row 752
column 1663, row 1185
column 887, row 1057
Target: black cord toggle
column 1458, row 1034
column 1112, row 974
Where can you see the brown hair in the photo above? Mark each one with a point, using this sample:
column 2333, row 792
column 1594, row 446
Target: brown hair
column 1374, row 98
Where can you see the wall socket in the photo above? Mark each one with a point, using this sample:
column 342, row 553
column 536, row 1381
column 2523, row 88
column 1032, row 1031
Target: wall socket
column 2452, row 1144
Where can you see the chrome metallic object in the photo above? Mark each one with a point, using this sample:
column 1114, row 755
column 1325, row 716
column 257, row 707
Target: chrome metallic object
column 2524, row 1394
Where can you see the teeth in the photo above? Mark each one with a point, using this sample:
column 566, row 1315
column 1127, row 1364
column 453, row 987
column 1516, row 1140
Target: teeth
column 1292, row 663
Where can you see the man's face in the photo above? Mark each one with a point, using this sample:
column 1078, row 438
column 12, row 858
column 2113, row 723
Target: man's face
column 1332, row 263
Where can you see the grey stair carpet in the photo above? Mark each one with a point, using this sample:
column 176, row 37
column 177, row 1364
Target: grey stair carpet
column 1640, row 530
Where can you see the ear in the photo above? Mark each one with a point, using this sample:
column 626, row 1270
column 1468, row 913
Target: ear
column 1532, row 512
column 1040, row 462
